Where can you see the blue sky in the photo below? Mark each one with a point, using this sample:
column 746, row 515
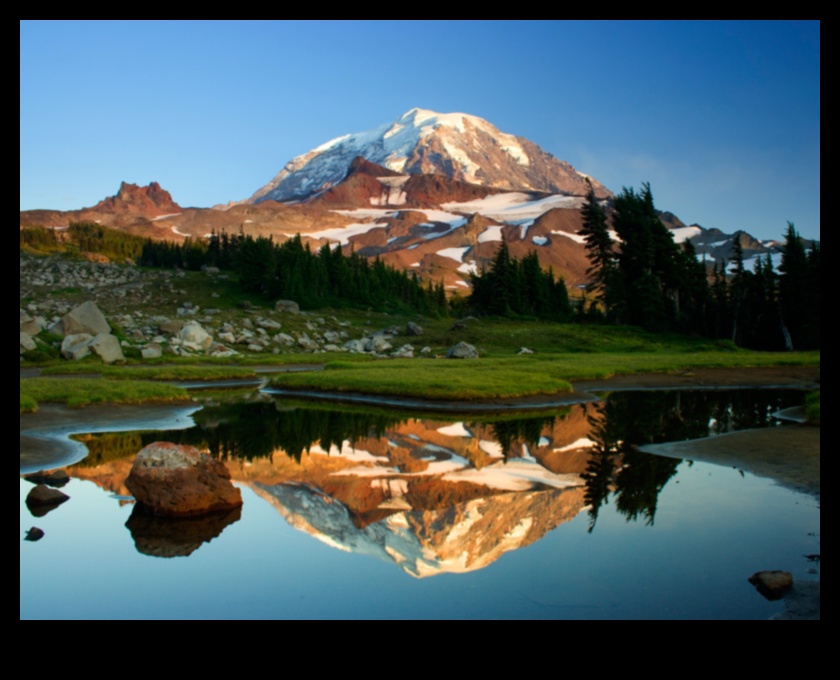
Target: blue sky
column 722, row 118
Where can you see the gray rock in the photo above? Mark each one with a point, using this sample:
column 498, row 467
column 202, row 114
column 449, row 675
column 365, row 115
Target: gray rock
column 332, row 337
column 86, row 318
column 354, row 346
column 152, row 351
column 525, row 350
column 287, row 306
column 307, row 343
column 404, row 352
column 30, row 327
column 269, row 324
column 412, row 328
column 193, row 335
column 107, row 347
column 76, row 346
column 171, row 327
column 26, row 343
column 378, row 344
column 462, row 350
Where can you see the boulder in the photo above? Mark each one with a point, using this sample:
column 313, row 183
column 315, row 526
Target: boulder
column 193, row 336
column 152, row 351
column 772, row 584
column 287, row 306
column 86, row 318
column 107, row 347
column 44, row 495
column 171, row 480
column 462, row 350
column 412, row 328
column 269, row 324
column 56, row 478
column 76, row 346
column 378, row 344
column 27, row 344
column 30, row 326
column 354, row 346
column 171, row 327
column 525, row 350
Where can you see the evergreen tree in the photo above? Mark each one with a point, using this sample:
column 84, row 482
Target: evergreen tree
column 599, row 250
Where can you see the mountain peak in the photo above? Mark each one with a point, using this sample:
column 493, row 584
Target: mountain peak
column 148, row 201
column 461, row 146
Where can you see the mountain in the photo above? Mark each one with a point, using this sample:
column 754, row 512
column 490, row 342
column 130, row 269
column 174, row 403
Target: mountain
column 429, row 193
column 150, row 201
column 456, row 145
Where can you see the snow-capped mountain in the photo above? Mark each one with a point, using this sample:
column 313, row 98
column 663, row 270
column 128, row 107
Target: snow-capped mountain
column 460, row 146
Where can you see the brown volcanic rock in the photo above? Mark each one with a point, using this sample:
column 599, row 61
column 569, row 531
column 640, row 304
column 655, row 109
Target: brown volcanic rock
column 432, row 190
column 148, row 201
column 180, row 481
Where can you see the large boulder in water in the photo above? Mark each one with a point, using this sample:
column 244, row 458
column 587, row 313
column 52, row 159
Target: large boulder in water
column 171, row 480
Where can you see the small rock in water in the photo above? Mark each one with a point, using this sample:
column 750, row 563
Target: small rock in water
column 772, row 584
column 56, row 478
column 34, row 534
column 44, row 495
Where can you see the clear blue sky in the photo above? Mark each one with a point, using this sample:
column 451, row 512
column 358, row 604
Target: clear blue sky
column 722, row 118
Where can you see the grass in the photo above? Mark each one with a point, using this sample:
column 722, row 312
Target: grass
column 168, row 372
column 812, row 408
column 78, row 392
column 518, row 376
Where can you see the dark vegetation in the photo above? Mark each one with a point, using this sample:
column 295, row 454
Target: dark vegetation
column 652, row 282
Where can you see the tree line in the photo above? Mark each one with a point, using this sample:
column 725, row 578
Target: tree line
column 643, row 278
column 291, row 270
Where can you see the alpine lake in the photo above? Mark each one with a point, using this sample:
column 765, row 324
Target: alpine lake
column 356, row 511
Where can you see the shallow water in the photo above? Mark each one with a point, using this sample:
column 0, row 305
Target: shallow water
column 359, row 514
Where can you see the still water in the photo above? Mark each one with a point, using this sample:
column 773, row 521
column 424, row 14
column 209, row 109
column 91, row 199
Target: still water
column 360, row 513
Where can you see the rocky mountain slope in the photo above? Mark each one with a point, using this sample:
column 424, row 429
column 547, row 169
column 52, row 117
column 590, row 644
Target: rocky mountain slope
column 456, row 145
column 430, row 193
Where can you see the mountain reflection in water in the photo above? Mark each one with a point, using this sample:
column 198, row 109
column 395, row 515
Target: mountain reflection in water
column 429, row 494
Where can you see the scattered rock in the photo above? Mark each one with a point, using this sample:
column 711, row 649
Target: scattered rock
column 108, row 348
column 194, row 337
column 34, row 534
column 462, row 350
column 56, row 478
column 772, row 584
column 152, row 351
column 76, row 346
column 86, row 318
column 26, row 343
column 44, row 495
column 378, row 344
column 525, row 350
column 172, row 327
column 412, row 328
column 287, row 306
column 171, row 480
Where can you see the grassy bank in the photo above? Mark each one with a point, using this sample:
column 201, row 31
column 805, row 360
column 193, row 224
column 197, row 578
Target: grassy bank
column 78, row 392
column 518, row 376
